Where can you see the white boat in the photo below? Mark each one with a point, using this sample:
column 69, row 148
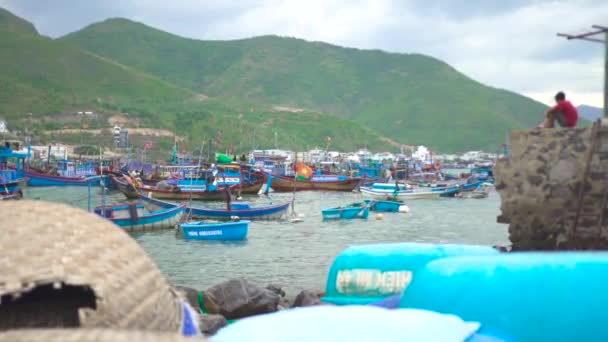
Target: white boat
column 390, row 191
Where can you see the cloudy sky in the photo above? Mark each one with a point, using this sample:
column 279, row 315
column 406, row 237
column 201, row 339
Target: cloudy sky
column 509, row 44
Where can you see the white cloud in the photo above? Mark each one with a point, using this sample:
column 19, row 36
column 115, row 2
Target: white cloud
column 508, row 44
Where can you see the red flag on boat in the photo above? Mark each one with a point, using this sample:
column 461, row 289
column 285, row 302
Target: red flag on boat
column 303, row 171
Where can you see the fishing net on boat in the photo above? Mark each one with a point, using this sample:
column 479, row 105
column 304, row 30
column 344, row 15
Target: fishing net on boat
column 64, row 267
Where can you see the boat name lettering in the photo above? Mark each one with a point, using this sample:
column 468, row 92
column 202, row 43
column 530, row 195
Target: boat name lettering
column 358, row 281
column 205, row 233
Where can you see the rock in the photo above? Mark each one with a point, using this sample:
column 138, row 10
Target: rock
column 237, row 298
column 306, row 298
column 285, row 303
column 191, row 296
column 210, row 303
column 276, row 289
column 210, row 324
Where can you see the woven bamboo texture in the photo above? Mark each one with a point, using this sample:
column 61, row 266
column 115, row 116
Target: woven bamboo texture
column 92, row 335
column 48, row 243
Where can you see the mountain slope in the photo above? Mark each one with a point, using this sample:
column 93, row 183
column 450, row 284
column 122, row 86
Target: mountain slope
column 589, row 112
column 43, row 76
column 51, row 79
column 410, row 98
column 12, row 23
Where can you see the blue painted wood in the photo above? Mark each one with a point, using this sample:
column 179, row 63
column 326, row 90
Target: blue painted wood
column 384, row 206
column 215, row 231
column 160, row 219
column 40, row 179
column 242, row 210
column 346, row 213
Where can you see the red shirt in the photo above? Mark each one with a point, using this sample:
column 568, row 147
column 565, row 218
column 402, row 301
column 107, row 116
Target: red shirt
column 569, row 111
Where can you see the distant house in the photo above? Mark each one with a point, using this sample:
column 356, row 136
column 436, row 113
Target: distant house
column 3, row 127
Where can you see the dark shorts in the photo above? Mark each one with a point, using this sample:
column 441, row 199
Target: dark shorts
column 560, row 118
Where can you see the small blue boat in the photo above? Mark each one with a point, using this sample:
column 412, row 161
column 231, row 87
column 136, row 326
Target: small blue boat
column 447, row 191
column 215, row 231
column 384, row 206
column 131, row 216
column 241, row 209
column 470, row 186
column 353, row 211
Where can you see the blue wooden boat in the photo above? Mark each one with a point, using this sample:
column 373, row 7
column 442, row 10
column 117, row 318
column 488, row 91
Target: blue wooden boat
column 450, row 191
column 356, row 210
column 42, row 179
column 240, row 209
column 217, row 231
column 10, row 190
column 67, row 173
column 12, row 174
column 470, row 186
column 131, row 216
column 384, row 206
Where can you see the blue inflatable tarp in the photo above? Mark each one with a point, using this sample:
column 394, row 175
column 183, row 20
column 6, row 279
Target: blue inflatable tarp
column 520, row 296
column 370, row 273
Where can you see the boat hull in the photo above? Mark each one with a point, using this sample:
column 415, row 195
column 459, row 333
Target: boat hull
column 346, row 213
column 41, row 179
column 410, row 195
column 221, row 231
column 250, row 189
column 384, row 206
column 470, row 187
column 124, row 187
column 157, row 220
column 287, row 184
column 255, row 213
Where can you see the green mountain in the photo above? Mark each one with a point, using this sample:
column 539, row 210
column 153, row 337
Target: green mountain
column 12, row 23
column 411, row 98
column 53, row 79
column 42, row 76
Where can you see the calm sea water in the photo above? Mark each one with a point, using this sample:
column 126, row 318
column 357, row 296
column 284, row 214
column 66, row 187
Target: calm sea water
column 298, row 255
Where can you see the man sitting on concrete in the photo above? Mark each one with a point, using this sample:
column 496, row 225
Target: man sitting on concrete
column 563, row 112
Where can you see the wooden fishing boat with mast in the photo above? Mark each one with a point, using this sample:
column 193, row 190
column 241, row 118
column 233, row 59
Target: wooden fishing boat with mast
column 287, row 184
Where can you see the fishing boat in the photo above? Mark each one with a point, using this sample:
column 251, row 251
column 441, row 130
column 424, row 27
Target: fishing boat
column 124, row 186
column 131, row 188
column 356, row 210
column 43, row 179
column 250, row 188
column 240, row 209
column 336, row 183
column 132, row 217
column 387, row 206
column 470, row 186
column 449, row 191
column 391, row 191
column 12, row 174
column 12, row 190
column 215, row 231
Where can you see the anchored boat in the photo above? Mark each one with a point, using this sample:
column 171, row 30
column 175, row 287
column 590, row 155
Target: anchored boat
column 336, row 183
column 356, row 210
column 387, row 206
column 132, row 217
column 385, row 191
column 218, row 231
column 241, row 210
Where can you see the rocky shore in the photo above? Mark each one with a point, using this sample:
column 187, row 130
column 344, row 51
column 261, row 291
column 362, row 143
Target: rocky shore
column 237, row 298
